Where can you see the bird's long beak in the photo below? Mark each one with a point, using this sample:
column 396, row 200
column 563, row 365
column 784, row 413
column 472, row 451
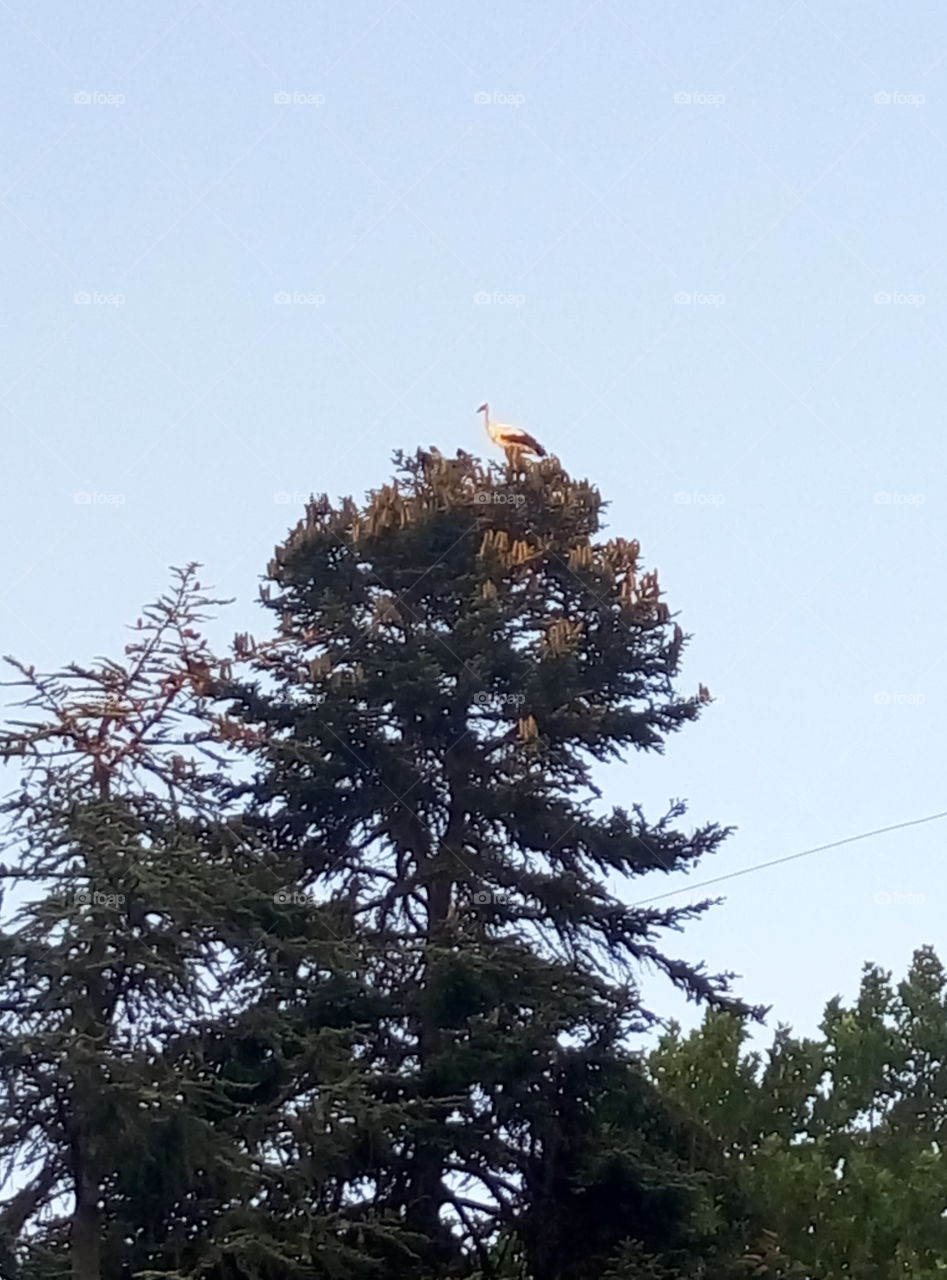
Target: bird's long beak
column 482, row 409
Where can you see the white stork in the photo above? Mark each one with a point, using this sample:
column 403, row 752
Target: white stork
column 514, row 441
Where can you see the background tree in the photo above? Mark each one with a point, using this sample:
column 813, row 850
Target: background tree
column 840, row 1140
column 453, row 661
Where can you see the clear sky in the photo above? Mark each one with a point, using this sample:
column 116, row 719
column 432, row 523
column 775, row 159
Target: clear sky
column 698, row 249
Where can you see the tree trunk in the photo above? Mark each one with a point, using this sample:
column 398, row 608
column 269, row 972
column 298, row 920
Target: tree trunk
column 427, row 1190
column 86, row 1227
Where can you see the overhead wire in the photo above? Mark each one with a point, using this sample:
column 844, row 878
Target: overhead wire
column 791, row 857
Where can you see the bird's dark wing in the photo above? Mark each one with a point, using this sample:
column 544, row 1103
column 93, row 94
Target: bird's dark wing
column 523, row 440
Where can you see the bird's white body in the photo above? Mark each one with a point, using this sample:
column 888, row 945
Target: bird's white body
column 512, row 440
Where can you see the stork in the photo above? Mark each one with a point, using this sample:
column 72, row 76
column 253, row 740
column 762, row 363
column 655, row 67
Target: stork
column 514, row 441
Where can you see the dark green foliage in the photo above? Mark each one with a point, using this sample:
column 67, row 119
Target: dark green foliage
column 620, row 1174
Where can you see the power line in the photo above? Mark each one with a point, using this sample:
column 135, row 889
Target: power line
column 761, row 866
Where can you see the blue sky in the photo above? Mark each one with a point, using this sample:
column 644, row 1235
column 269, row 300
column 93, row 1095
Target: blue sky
column 699, row 250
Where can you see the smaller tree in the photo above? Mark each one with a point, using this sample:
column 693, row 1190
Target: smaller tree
column 124, row 939
column 180, row 1032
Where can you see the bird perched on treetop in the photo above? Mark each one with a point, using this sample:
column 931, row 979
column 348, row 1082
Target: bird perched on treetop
column 514, row 441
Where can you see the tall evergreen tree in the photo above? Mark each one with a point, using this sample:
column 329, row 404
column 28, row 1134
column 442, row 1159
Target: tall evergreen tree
column 453, row 661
